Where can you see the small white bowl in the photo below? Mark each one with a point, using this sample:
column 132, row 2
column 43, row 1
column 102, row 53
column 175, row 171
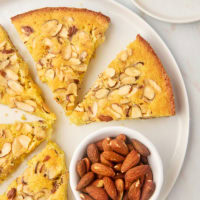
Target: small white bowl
column 113, row 131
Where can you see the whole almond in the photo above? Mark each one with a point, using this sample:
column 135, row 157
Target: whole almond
column 118, row 166
column 127, row 184
column 140, row 148
column 98, row 183
column 110, row 187
column 121, row 137
column 106, row 144
column 102, row 169
column 119, row 146
column 87, row 164
column 149, row 175
column 93, row 153
column 104, row 161
column 131, row 160
column 119, row 183
column 112, row 156
column 85, row 197
column 134, row 192
column 148, row 190
column 144, row 160
column 118, row 176
column 99, row 145
column 85, row 180
column 81, row 168
column 136, row 172
column 130, row 146
column 97, row 193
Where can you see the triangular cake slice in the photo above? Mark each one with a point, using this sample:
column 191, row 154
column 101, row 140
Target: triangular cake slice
column 45, row 177
column 62, row 42
column 135, row 85
column 17, row 89
column 17, row 141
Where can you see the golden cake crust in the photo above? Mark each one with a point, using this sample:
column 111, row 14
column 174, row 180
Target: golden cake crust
column 50, row 9
column 164, row 74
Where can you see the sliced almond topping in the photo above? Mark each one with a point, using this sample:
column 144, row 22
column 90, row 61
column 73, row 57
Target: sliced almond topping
column 15, row 85
column 4, row 64
column 18, row 126
column 28, row 128
column 135, row 112
column 117, row 108
column 31, row 102
column 154, row 85
column 130, row 51
column 79, row 109
column 111, row 82
column 49, row 56
column 64, row 32
column 110, row 72
column 116, row 114
column 2, row 45
column 74, row 55
column 24, row 106
column 39, row 132
column 11, row 75
column 149, row 92
column 94, row 109
column 10, row 91
column 124, row 56
column 128, row 80
column 13, row 59
column 24, row 140
column 124, row 90
column 53, row 172
column 124, row 101
column 72, row 89
column 79, row 68
column 133, row 91
column 52, row 27
column 83, row 55
column 75, row 61
column 67, row 52
column 132, row 71
column 47, row 42
column 3, row 81
column 102, row 93
column 50, row 74
column 5, row 150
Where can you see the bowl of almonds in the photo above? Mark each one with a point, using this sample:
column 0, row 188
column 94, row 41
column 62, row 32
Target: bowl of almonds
column 116, row 163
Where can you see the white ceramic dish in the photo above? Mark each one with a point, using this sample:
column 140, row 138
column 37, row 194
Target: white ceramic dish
column 174, row 11
column 113, row 131
column 169, row 135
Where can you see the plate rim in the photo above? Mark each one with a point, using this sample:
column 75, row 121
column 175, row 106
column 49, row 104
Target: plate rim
column 175, row 21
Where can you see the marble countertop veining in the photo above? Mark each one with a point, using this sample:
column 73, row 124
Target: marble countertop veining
column 184, row 42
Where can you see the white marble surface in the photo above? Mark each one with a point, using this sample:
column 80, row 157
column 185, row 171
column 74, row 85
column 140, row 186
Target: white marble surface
column 184, row 42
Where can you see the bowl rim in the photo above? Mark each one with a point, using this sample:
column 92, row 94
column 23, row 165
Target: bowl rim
column 109, row 131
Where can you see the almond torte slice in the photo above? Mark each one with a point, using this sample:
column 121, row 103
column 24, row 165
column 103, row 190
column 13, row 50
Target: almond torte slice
column 17, row 141
column 45, row 177
column 135, row 85
column 62, row 42
column 17, row 89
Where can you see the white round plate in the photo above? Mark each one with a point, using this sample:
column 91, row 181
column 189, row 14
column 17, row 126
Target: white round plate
column 169, row 135
column 174, row 11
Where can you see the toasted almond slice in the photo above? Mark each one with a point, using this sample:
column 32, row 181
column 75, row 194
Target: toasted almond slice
column 64, row 32
column 16, row 86
column 4, row 64
column 128, row 80
column 13, row 59
column 27, row 127
column 83, row 55
column 67, row 52
column 94, row 109
column 110, row 72
column 39, row 132
column 79, row 109
column 124, row 90
column 24, row 106
column 75, row 61
column 101, row 93
column 135, row 112
column 52, row 27
column 2, row 44
column 11, row 75
column 130, row 52
column 154, row 85
column 111, row 82
column 124, row 56
column 79, row 68
column 24, row 140
column 50, row 74
column 31, row 102
column 47, row 42
column 117, row 108
column 72, row 89
column 149, row 92
column 5, row 150
column 132, row 71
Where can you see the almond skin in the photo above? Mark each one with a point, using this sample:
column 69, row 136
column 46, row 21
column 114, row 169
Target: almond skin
column 106, row 144
column 81, row 168
column 149, row 175
column 119, row 183
column 134, row 192
column 121, row 137
column 136, row 172
column 93, row 153
column 110, row 187
column 112, row 156
column 87, row 164
column 140, row 148
column 118, row 166
column 97, row 193
column 119, row 146
column 85, row 197
column 148, row 189
column 106, row 162
column 99, row 145
column 98, row 183
column 125, row 197
column 85, row 180
column 131, row 160
column 102, row 169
